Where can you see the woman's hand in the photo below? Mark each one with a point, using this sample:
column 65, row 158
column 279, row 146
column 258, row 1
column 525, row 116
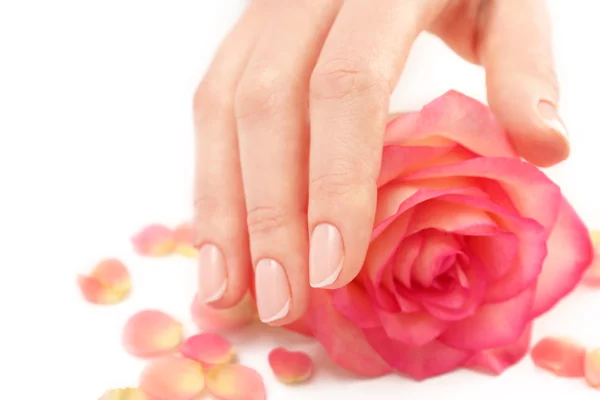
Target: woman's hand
column 295, row 208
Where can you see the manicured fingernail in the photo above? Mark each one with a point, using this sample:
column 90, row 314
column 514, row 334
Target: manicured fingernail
column 272, row 291
column 550, row 116
column 326, row 255
column 212, row 274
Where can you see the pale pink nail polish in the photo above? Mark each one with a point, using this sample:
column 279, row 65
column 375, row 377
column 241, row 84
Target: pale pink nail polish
column 272, row 291
column 549, row 115
column 326, row 255
column 212, row 274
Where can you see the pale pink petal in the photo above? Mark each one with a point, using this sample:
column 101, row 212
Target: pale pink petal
column 112, row 273
column 214, row 319
column 235, row 382
column 95, row 292
column 344, row 342
column 151, row 333
column 523, row 183
column 407, row 253
column 154, row 240
column 173, row 378
column 456, row 117
column 570, row 253
column 290, row 366
column 208, row 349
column 497, row 360
column 353, row 302
column 592, row 368
column 420, row 363
column 561, row 356
column 414, row 329
column 439, row 252
column 493, row 325
column 184, row 236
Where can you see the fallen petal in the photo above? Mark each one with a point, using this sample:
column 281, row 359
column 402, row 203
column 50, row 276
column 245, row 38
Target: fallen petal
column 173, row 378
column 560, row 356
column 151, row 333
column 125, row 394
column 592, row 368
column 154, row 240
column 208, row 349
column 290, row 366
column 183, row 235
column 113, row 274
column 209, row 318
column 95, row 292
column 235, row 382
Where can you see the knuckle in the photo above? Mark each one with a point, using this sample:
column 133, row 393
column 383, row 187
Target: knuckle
column 342, row 180
column 259, row 92
column 342, row 77
column 210, row 101
column 265, row 220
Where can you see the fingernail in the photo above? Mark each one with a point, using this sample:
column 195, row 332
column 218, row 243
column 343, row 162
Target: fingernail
column 326, row 255
column 549, row 114
column 272, row 291
column 212, row 274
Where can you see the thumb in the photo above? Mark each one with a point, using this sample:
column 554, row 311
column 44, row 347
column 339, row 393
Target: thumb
column 516, row 51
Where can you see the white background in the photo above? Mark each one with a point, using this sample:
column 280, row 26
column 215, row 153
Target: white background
column 96, row 141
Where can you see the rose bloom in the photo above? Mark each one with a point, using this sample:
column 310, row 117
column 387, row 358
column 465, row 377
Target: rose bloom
column 470, row 245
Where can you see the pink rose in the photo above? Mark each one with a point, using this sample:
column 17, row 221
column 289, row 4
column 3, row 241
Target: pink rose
column 470, row 245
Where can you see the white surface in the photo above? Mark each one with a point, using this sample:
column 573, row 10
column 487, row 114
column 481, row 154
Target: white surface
column 96, row 140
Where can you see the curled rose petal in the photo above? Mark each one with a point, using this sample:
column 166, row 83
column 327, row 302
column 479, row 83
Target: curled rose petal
column 154, row 241
column 592, row 275
column 563, row 357
column 183, row 236
column 212, row 319
column 592, row 368
column 125, row 394
column 208, row 349
column 109, row 283
column 235, row 382
column 290, row 366
column 151, row 333
column 173, row 378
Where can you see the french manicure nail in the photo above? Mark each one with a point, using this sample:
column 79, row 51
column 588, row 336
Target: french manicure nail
column 549, row 114
column 326, row 255
column 212, row 274
column 272, row 291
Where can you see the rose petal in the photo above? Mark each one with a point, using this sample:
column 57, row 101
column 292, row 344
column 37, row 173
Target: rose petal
column 173, row 378
column 497, row 360
column 560, row 356
column 414, row 329
column 290, row 366
column 154, row 240
column 151, row 333
column 407, row 254
column 235, row 382
column 497, row 253
column 113, row 273
column 96, row 293
column 301, row 326
column 398, row 160
column 344, row 342
column 353, row 302
column 493, row 325
column 457, row 117
column 183, row 236
column 213, row 319
column 420, row 363
column 592, row 274
column 592, row 368
column 438, row 247
column 125, row 394
column 570, row 253
column 208, row 349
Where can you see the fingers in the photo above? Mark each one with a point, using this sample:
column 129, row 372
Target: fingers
column 272, row 115
column 349, row 95
column 224, row 259
column 516, row 52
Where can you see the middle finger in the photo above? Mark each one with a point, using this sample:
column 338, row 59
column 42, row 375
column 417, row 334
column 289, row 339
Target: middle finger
column 272, row 118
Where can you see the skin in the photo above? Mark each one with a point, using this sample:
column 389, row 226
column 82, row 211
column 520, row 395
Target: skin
column 290, row 120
